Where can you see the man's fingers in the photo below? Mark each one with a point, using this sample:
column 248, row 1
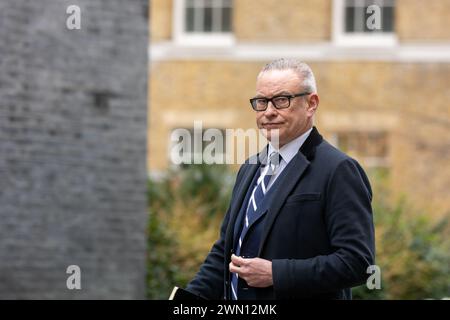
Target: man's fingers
column 237, row 260
column 234, row 268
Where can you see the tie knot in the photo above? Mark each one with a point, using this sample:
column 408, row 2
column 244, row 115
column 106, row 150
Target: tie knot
column 274, row 158
column 274, row 162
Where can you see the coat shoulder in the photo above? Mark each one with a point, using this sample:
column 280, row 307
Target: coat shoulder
column 326, row 149
column 330, row 157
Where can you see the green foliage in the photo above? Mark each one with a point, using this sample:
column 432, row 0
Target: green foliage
column 161, row 271
column 413, row 254
column 412, row 250
column 186, row 208
column 209, row 184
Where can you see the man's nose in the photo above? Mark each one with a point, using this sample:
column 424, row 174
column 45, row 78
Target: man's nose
column 271, row 110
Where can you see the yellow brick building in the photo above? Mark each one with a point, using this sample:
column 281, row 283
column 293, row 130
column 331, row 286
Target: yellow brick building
column 384, row 92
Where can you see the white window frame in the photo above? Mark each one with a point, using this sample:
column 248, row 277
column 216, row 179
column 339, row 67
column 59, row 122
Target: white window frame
column 358, row 39
column 181, row 37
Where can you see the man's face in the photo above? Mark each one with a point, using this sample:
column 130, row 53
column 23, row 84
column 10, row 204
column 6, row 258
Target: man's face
column 290, row 122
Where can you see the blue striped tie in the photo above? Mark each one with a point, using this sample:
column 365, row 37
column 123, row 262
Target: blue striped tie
column 255, row 200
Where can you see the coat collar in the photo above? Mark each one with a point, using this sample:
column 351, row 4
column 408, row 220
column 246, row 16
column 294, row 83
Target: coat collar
column 308, row 149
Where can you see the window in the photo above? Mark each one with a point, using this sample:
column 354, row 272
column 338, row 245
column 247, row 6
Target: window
column 208, row 16
column 357, row 15
column 364, row 22
column 370, row 148
column 203, row 21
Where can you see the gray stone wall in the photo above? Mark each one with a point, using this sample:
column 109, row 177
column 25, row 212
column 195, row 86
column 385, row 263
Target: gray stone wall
column 73, row 120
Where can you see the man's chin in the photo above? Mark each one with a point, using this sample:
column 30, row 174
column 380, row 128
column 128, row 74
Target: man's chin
column 272, row 135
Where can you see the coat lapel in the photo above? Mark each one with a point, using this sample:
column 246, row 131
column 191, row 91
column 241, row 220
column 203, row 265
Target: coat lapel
column 241, row 192
column 291, row 176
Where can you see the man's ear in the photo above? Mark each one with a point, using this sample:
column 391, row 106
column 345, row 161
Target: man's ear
column 313, row 103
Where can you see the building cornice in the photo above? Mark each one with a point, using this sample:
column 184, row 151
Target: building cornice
column 326, row 51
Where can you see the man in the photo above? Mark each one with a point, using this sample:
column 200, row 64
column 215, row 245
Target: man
column 300, row 220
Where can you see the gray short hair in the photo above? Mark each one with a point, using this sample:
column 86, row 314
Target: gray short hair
column 302, row 69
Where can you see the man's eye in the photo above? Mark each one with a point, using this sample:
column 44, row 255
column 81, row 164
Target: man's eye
column 261, row 101
column 281, row 99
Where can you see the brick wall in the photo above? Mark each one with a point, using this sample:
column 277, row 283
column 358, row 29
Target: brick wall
column 161, row 20
column 72, row 149
column 422, row 21
column 282, row 21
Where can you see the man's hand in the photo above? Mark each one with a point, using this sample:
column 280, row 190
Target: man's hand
column 256, row 272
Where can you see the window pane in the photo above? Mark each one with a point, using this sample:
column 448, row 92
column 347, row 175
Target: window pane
column 349, row 19
column 360, row 19
column 226, row 19
column 199, row 18
column 388, row 19
column 189, row 19
column 208, row 22
column 190, row 3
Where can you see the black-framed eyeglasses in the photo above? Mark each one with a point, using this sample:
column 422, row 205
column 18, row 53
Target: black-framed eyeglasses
column 279, row 102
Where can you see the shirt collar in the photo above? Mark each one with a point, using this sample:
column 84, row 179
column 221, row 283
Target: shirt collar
column 289, row 150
